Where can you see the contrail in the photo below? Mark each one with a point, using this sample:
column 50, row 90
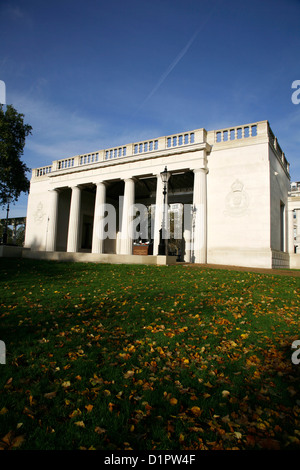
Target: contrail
column 178, row 58
column 172, row 66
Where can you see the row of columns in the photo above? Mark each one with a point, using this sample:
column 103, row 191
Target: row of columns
column 199, row 229
column 291, row 225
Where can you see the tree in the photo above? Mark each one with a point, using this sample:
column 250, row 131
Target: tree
column 13, row 132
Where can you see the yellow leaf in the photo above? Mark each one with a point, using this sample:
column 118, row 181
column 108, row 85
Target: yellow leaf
column 173, row 401
column 128, row 374
column 208, row 384
column 196, row 410
column 80, row 424
column 181, row 438
column 89, row 408
column 66, row 384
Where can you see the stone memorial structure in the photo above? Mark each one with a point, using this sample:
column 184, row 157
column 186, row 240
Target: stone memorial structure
column 230, row 187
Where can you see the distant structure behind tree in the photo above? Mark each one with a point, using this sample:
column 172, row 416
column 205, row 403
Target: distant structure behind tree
column 15, row 230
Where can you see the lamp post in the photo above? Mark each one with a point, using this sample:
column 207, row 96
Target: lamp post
column 6, row 224
column 162, row 248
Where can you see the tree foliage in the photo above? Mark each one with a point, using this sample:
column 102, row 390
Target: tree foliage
column 13, row 132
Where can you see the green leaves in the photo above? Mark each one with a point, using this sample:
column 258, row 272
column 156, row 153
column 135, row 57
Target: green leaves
column 13, row 132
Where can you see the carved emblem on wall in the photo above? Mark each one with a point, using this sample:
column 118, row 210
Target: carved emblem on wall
column 39, row 214
column 237, row 201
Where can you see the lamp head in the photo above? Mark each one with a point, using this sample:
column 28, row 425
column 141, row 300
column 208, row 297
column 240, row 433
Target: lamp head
column 165, row 175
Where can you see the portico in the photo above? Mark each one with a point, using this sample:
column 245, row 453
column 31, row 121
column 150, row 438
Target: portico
column 93, row 203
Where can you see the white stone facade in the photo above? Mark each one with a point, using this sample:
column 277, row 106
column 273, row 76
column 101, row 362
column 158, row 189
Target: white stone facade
column 232, row 184
column 294, row 225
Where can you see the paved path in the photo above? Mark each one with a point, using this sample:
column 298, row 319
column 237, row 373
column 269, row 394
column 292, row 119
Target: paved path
column 282, row 272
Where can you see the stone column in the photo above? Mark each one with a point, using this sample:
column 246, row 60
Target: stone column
column 74, row 220
column 127, row 217
column 291, row 231
column 199, row 250
column 52, row 221
column 187, row 232
column 158, row 218
column 99, row 212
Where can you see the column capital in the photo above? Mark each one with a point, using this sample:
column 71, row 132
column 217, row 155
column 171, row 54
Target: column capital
column 96, row 183
column 130, row 179
column 201, row 170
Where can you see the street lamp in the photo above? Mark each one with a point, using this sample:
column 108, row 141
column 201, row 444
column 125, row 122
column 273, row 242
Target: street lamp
column 5, row 234
column 162, row 249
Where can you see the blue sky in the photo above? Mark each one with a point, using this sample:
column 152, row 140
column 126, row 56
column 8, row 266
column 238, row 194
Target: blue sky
column 96, row 74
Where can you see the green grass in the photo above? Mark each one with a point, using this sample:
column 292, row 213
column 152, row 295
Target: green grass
column 114, row 357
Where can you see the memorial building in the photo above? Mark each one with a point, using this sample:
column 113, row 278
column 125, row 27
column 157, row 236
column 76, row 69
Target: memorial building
column 216, row 197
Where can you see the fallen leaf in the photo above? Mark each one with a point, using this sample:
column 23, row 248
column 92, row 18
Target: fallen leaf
column 111, row 406
column 80, row 424
column 128, row 374
column 99, row 430
column 196, row 410
column 50, row 395
column 173, row 401
column 66, row 384
column 17, row 441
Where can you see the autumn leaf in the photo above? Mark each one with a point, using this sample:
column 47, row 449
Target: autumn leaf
column 80, row 424
column 111, row 406
column 10, row 441
column 99, row 430
column 128, row 374
column 50, row 395
column 66, row 384
column 173, row 401
column 17, row 442
column 196, row 410
column 75, row 413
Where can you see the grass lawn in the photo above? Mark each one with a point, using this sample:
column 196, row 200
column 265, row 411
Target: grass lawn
column 115, row 357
